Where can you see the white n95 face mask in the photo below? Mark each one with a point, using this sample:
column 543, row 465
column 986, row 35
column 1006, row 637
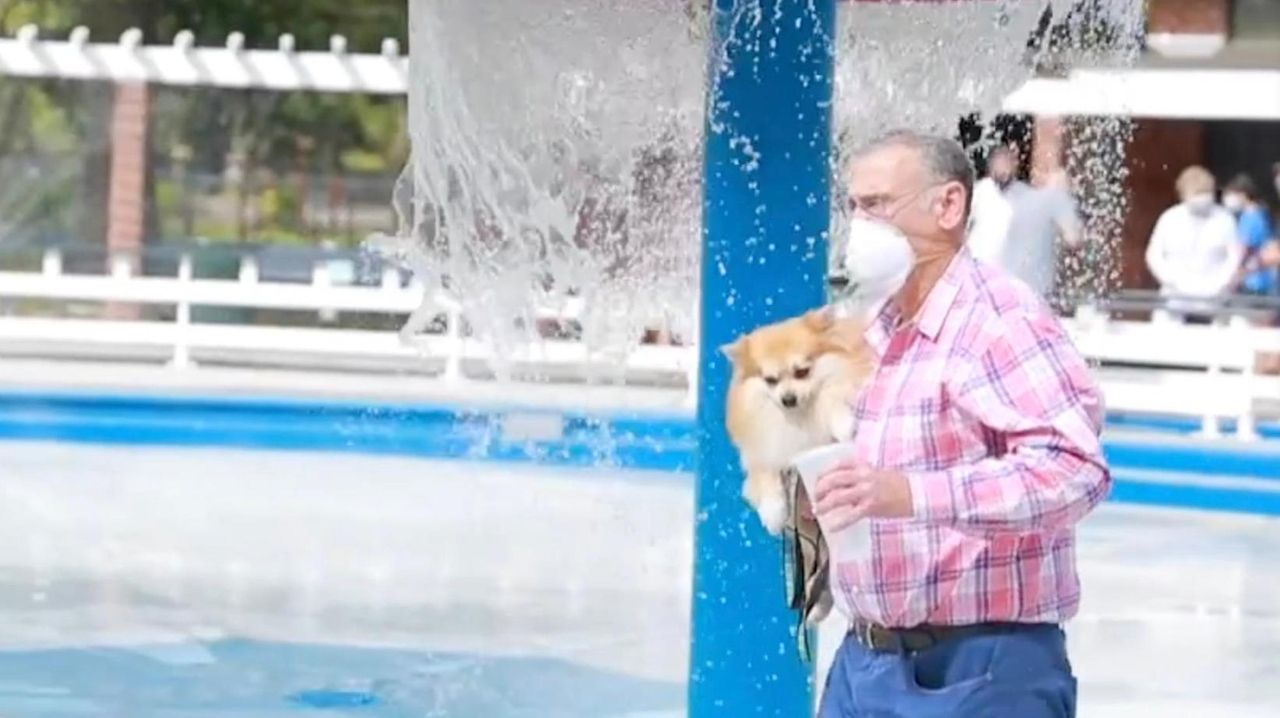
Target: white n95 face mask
column 877, row 260
column 1200, row 203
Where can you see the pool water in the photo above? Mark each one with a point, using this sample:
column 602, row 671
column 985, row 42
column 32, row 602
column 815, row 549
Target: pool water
column 148, row 581
column 246, row 677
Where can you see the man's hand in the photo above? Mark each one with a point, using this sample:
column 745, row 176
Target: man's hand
column 848, row 494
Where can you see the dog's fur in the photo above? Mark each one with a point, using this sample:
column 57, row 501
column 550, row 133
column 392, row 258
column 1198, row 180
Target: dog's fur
column 815, row 363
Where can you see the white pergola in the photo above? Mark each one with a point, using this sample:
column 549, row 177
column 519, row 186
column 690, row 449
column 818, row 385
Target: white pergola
column 132, row 67
column 183, row 64
column 1190, row 93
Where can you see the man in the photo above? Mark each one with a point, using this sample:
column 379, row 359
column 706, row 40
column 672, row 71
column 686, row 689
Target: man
column 994, row 200
column 976, row 451
column 1043, row 218
column 1193, row 252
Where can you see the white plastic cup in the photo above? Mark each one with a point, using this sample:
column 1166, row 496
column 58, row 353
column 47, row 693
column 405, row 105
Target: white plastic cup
column 853, row 543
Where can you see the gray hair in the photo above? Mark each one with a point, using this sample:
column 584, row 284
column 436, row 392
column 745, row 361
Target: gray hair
column 944, row 158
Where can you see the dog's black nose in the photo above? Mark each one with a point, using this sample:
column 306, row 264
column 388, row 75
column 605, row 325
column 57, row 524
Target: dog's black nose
column 789, row 400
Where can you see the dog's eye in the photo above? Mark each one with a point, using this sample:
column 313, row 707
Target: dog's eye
column 801, row 372
column 771, row 380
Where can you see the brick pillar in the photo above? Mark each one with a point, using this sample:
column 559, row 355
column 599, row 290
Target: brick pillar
column 127, row 187
column 1046, row 147
column 1188, row 28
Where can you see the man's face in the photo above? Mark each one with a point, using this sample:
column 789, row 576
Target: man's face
column 892, row 185
column 1003, row 167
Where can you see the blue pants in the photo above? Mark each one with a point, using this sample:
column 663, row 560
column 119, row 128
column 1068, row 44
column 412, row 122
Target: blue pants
column 1022, row 673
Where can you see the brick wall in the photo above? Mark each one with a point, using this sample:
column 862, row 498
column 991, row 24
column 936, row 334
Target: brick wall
column 1160, row 150
column 1189, row 16
column 1046, row 147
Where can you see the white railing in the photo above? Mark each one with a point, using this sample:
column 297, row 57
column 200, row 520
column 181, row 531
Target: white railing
column 1205, row 370
column 182, row 343
column 1190, row 370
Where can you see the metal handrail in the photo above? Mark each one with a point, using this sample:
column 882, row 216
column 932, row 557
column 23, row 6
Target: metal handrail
column 1225, row 304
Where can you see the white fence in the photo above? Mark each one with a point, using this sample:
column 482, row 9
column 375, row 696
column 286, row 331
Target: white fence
column 182, row 342
column 1205, row 371
column 1201, row 371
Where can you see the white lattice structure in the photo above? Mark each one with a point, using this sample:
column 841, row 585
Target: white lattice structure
column 1247, row 93
column 184, row 64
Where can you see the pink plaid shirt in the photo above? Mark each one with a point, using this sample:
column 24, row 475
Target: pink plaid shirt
column 995, row 418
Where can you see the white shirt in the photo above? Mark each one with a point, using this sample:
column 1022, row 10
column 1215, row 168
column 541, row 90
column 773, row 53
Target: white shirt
column 992, row 213
column 1194, row 255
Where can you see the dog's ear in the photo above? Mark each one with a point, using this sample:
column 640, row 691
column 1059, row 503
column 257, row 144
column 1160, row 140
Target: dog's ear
column 735, row 350
column 820, row 319
column 844, row 336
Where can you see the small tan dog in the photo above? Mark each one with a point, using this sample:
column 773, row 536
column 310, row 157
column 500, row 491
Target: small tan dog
column 790, row 391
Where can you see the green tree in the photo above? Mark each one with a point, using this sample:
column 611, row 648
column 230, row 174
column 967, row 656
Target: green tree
column 285, row 132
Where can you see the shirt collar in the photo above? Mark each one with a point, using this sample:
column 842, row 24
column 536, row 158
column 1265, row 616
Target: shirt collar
column 932, row 314
column 943, row 295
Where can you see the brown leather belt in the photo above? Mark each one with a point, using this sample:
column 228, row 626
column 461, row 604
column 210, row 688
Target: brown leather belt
column 919, row 638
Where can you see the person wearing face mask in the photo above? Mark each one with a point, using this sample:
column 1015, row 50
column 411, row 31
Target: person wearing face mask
column 1253, row 224
column 1259, row 273
column 995, row 199
column 1193, row 252
column 975, row 452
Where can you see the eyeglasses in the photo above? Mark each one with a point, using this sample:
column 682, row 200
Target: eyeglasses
column 881, row 206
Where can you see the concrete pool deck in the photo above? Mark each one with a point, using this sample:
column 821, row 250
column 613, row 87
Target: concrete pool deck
column 193, row 570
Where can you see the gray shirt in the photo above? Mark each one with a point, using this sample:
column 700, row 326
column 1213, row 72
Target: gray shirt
column 1030, row 251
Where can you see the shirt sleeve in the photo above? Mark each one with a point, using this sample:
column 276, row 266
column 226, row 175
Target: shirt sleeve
column 1219, row 277
column 1034, row 393
column 1255, row 230
column 1067, row 218
column 1156, row 261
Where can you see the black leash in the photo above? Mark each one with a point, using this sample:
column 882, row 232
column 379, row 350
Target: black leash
column 806, row 564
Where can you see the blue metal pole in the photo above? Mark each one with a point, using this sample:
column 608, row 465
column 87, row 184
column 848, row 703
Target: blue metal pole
column 766, row 214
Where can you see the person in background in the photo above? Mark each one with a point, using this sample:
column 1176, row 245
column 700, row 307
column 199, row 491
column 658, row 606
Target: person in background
column 1253, row 223
column 1258, row 274
column 1194, row 253
column 994, row 199
column 1043, row 217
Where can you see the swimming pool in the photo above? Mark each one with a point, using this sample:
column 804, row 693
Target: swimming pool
column 208, row 582
column 198, row 553
column 201, row 581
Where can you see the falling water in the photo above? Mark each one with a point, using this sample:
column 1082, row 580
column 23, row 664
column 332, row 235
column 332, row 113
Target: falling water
column 557, row 144
column 556, row 164
column 924, row 65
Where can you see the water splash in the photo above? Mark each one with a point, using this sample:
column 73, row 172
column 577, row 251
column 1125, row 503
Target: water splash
column 556, row 165
column 557, row 144
column 924, row 65
column 1107, row 33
